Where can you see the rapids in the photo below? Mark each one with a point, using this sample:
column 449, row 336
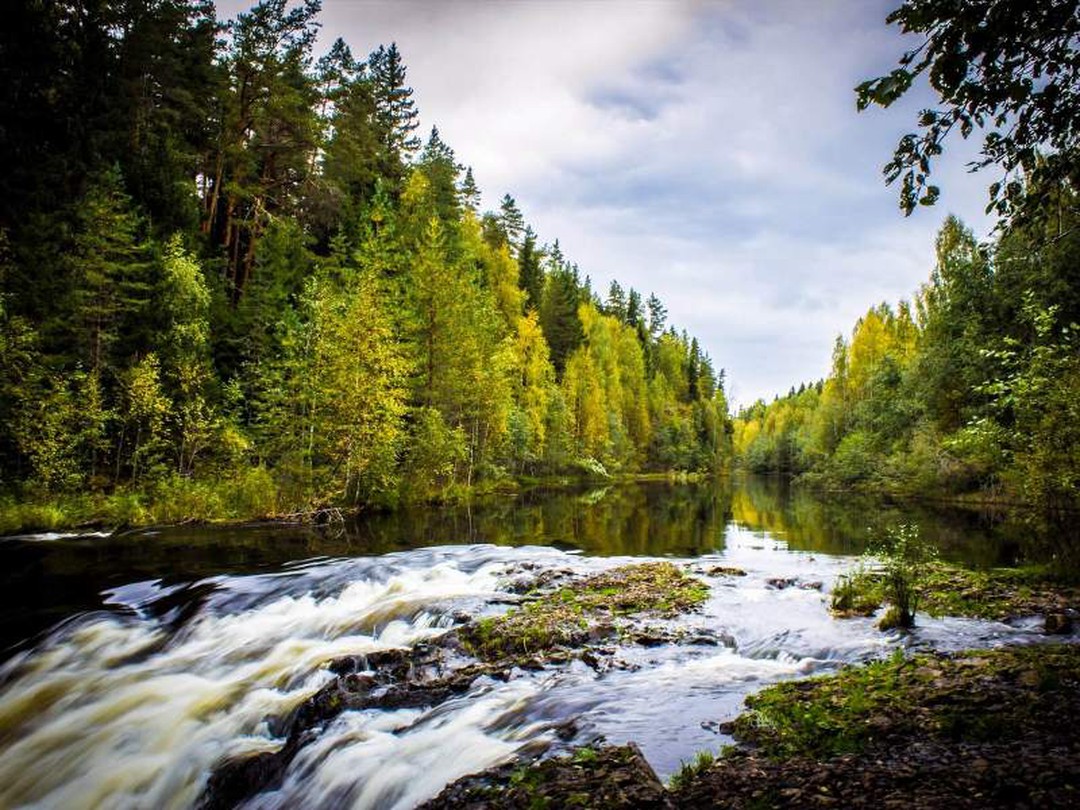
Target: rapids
column 133, row 705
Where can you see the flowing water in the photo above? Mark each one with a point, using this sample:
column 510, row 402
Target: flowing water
column 137, row 663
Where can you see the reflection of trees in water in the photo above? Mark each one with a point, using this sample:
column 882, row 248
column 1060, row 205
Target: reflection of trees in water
column 649, row 519
column 43, row 582
column 657, row 518
column 844, row 523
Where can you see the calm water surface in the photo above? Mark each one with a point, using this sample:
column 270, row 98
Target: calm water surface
column 136, row 663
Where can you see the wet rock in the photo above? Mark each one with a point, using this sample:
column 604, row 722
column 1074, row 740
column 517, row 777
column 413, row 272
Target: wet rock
column 702, row 640
column 720, row 571
column 708, row 638
column 609, row 777
column 389, row 679
column 650, row 638
column 236, row 779
column 601, row 630
column 814, row 585
column 1058, row 624
column 780, row 583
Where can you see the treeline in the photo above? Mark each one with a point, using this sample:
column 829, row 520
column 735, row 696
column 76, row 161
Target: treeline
column 235, row 282
column 974, row 387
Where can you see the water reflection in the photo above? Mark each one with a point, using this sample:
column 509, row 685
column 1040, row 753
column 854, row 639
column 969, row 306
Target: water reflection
column 846, row 523
column 43, row 582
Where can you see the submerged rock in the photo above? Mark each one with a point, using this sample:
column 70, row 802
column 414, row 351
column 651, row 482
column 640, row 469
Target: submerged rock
column 780, row 583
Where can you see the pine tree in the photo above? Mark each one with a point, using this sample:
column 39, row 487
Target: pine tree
column 268, row 131
column 633, row 308
column 469, row 193
column 512, row 223
column 108, row 319
column 657, row 315
column 441, row 170
column 616, row 302
column 559, row 315
column 530, row 271
column 396, row 116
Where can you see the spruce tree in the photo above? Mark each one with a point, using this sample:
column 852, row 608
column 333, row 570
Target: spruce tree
column 530, row 272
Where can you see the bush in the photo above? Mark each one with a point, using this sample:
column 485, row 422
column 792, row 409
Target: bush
column 252, row 494
column 905, row 559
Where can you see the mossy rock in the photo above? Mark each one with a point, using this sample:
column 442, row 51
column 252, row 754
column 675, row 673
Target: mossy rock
column 585, row 611
column 610, row 777
column 954, row 698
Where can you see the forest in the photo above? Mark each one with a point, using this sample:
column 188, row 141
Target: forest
column 972, row 388
column 236, row 282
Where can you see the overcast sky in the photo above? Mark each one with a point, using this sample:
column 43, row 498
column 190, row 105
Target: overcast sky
column 706, row 151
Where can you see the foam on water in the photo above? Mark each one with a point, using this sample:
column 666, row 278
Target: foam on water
column 135, row 709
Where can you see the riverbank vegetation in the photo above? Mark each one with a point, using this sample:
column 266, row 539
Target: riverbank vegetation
column 975, row 729
column 1000, row 594
column 235, row 283
column 970, row 389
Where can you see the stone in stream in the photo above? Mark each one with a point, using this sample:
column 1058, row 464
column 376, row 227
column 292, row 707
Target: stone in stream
column 555, row 628
column 1058, row 624
column 615, row 777
column 238, row 779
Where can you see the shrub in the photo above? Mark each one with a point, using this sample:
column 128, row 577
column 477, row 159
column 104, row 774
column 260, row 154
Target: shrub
column 905, row 559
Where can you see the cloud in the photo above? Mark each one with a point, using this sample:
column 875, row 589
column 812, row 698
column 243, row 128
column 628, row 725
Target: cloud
column 707, row 151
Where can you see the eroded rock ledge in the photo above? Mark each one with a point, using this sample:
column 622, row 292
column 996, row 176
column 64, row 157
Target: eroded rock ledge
column 562, row 617
column 983, row 729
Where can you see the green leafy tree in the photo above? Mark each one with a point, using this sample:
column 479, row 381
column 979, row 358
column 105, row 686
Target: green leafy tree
column 144, row 412
column 1035, row 399
column 187, row 371
column 1009, row 69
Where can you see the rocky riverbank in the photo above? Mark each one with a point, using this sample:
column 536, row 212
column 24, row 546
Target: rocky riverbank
column 982, row 729
column 559, row 617
column 969, row 730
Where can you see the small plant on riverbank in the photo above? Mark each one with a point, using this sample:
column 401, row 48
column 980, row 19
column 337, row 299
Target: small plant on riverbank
column 858, row 593
column 689, row 771
column 906, row 559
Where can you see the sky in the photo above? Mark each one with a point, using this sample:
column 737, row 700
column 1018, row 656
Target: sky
column 709, row 152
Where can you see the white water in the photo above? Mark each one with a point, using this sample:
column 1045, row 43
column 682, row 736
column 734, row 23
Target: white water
column 135, row 710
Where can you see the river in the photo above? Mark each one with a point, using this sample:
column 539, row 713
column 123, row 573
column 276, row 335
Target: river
column 136, row 663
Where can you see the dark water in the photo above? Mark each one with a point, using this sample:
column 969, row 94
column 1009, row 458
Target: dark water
column 46, row 579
